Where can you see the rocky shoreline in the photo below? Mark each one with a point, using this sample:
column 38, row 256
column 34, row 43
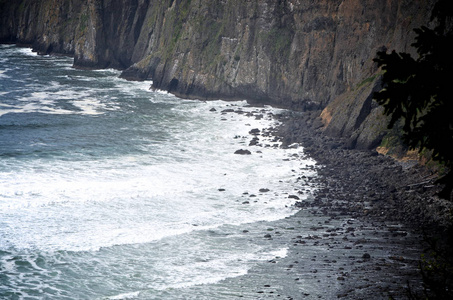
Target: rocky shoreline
column 367, row 184
column 377, row 213
column 397, row 197
column 359, row 236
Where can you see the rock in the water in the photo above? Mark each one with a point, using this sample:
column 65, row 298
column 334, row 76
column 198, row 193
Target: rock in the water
column 254, row 131
column 254, row 141
column 243, row 152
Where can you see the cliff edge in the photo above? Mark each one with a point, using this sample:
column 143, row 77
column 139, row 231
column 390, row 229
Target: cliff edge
column 302, row 55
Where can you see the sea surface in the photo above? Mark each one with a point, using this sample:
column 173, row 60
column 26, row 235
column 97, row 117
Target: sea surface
column 110, row 190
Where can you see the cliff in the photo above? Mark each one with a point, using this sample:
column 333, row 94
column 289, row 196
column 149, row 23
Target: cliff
column 302, row 55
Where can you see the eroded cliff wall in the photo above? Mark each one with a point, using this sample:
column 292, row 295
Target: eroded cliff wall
column 291, row 53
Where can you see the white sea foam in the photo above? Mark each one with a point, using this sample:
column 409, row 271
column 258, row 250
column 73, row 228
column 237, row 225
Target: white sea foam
column 281, row 253
column 2, row 74
column 26, row 51
column 123, row 296
column 226, row 265
column 47, row 101
column 90, row 190
column 148, row 193
column 162, row 92
column 90, row 106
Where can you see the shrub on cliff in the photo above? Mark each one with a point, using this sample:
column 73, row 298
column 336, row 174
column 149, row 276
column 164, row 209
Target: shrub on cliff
column 417, row 91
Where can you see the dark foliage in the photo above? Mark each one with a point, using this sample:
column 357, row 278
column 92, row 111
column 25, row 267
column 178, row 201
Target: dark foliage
column 417, row 91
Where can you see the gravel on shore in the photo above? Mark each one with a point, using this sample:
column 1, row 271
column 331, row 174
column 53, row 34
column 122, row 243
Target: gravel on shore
column 367, row 184
column 363, row 231
column 377, row 189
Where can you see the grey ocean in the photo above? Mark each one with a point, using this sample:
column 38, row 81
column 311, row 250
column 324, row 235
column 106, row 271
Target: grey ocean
column 109, row 190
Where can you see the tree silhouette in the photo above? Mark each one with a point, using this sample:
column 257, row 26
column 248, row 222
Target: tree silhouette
column 417, row 91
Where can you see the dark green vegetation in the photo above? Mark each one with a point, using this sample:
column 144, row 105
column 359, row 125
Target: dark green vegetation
column 417, row 97
column 417, row 92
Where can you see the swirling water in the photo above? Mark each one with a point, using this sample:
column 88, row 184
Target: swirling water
column 109, row 190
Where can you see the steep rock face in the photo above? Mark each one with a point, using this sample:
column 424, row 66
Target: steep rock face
column 108, row 33
column 296, row 54
column 356, row 117
column 97, row 33
column 49, row 26
column 290, row 53
column 293, row 54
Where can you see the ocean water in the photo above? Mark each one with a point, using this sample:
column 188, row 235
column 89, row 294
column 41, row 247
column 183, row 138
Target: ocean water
column 109, row 190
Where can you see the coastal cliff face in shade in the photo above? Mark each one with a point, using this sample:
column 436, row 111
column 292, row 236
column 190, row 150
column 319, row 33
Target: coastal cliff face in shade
column 289, row 53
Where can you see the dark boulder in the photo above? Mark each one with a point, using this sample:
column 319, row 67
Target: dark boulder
column 242, row 152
